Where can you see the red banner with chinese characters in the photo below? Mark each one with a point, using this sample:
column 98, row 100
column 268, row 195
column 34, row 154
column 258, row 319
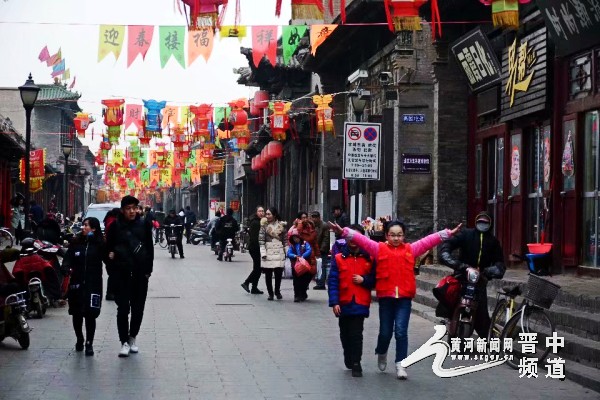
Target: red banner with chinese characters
column 234, row 205
column 37, row 173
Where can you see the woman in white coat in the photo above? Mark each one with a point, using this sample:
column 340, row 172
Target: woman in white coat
column 272, row 240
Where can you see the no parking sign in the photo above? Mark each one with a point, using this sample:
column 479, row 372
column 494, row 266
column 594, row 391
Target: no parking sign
column 361, row 150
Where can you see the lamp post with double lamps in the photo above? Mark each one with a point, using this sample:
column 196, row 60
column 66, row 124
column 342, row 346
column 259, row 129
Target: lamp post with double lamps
column 66, row 149
column 29, row 93
column 358, row 99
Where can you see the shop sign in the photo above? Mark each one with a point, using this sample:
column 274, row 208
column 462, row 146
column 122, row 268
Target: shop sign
column 416, row 163
column 413, row 118
column 524, row 69
column 477, row 59
column 361, row 150
column 573, row 25
column 234, row 205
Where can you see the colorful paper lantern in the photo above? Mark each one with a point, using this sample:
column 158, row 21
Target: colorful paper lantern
column 202, row 117
column 154, row 117
column 404, row 14
column 205, row 13
column 113, row 118
column 505, row 13
column 280, row 121
column 324, row 113
column 81, row 122
column 239, row 119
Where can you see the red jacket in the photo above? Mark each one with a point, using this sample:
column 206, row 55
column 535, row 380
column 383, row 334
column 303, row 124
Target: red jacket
column 347, row 267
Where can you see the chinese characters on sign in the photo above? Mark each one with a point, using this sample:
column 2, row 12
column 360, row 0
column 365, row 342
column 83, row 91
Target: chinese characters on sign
column 519, row 67
column 361, row 150
column 416, row 163
column 413, row 118
column 573, row 25
column 477, row 60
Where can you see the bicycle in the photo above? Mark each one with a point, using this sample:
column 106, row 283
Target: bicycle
column 159, row 237
column 530, row 317
column 6, row 238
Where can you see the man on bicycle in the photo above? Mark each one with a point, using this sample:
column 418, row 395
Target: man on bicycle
column 478, row 248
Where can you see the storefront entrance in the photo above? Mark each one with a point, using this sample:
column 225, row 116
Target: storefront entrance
column 591, row 191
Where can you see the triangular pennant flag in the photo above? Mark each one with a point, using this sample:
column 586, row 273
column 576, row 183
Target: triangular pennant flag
column 171, row 44
column 44, row 54
column 133, row 115
column 233, row 31
column 110, row 41
column 139, row 39
column 54, row 59
column 264, row 42
column 291, row 39
column 200, row 42
column 71, row 87
column 318, row 34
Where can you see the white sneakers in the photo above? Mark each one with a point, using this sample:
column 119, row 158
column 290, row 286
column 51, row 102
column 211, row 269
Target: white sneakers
column 125, row 349
column 401, row 372
column 382, row 361
column 132, row 346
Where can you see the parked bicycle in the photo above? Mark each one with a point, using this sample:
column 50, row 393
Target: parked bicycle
column 509, row 322
column 159, row 237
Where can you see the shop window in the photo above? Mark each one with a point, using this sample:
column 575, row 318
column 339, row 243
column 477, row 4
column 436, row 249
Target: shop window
column 568, row 156
column 478, row 171
column 539, row 181
column 591, row 185
column 580, row 76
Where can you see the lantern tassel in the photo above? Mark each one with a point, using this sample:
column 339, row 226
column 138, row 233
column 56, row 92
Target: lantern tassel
column 506, row 19
column 307, row 9
column 412, row 23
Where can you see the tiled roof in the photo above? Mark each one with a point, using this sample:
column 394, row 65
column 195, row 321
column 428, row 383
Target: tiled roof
column 56, row 92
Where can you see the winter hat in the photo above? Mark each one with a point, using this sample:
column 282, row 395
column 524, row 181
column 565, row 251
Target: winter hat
column 293, row 232
column 483, row 222
column 128, row 200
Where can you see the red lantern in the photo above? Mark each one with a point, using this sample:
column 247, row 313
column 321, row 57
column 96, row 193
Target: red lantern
column 405, row 14
column 81, row 122
column 280, row 121
column 203, row 114
column 261, row 99
column 205, row 13
column 179, row 138
column 274, row 150
column 239, row 119
column 143, row 135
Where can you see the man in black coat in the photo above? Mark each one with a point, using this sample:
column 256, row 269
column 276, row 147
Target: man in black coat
column 190, row 221
column 340, row 217
column 174, row 219
column 226, row 228
column 478, row 248
column 130, row 246
column 254, row 250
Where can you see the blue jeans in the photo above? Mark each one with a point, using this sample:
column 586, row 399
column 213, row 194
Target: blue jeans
column 394, row 315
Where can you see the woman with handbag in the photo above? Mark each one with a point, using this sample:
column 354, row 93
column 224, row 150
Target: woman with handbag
column 84, row 256
column 271, row 240
column 299, row 252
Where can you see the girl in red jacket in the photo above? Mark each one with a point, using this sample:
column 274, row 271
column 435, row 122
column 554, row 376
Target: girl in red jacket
column 395, row 283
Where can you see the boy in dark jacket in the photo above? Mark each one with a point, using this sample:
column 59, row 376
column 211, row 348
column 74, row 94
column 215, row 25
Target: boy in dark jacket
column 350, row 281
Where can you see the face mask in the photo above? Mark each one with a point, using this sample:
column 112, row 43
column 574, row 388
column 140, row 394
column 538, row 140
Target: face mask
column 482, row 226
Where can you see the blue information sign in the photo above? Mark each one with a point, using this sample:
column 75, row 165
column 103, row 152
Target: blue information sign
column 413, row 118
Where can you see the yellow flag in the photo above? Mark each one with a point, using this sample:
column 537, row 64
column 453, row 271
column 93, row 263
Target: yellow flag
column 318, row 34
column 110, row 41
column 232, row 31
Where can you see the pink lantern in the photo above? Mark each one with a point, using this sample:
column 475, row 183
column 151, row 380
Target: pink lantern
column 274, row 150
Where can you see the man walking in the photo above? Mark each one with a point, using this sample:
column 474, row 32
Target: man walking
column 190, row 221
column 323, row 242
column 254, row 249
column 129, row 243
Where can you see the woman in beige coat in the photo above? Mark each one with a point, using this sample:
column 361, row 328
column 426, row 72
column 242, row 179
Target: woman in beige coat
column 272, row 240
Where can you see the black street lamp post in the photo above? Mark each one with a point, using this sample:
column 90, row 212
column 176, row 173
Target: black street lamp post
column 359, row 102
column 29, row 93
column 66, row 148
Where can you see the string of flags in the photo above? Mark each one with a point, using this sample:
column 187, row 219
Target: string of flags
column 57, row 62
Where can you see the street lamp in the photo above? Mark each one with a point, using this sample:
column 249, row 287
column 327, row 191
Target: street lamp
column 358, row 99
column 66, row 149
column 29, row 93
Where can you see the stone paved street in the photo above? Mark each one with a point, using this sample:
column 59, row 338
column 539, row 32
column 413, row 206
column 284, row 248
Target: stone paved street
column 203, row 337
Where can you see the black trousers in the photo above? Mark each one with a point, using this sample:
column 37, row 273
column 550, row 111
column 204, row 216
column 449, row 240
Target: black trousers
column 351, row 335
column 482, row 316
column 301, row 284
column 131, row 296
column 112, row 282
column 188, row 232
column 269, row 279
column 90, row 328
column 254, row 276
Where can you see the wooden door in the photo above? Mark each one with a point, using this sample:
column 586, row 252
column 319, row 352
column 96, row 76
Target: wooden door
column 514, row 205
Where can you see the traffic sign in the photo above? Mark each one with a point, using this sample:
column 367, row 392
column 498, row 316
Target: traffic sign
column 361, row 150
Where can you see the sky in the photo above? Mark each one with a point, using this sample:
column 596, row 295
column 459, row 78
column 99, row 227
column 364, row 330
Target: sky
column 26, row 26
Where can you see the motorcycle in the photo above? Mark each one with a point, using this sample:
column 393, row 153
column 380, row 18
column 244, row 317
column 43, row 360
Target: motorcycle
column 199, row 234
column 12, row 319
column 462, row 321
column 38, row 302
column 171, row 231
column 228, row 250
